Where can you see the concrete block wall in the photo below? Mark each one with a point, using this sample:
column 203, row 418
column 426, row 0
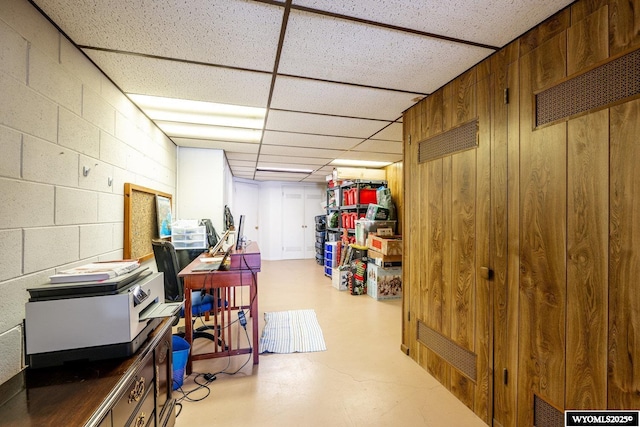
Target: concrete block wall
column 60, row 116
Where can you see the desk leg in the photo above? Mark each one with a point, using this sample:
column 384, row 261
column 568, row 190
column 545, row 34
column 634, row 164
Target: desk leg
column 253, row 295
column 188, row 324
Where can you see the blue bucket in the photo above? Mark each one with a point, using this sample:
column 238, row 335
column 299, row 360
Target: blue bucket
column 180, row 355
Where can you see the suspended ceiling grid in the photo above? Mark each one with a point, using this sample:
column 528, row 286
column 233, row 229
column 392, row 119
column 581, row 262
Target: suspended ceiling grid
column 334, row 77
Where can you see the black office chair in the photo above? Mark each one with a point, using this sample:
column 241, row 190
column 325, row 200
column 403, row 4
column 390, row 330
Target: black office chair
column 201, row 302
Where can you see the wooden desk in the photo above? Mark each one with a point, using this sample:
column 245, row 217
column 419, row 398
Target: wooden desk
column 243, row 271
column 136, row 390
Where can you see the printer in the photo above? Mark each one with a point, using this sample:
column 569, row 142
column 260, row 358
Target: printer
column 93, row 320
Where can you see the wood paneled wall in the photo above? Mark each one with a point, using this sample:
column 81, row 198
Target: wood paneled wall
column 549, row 210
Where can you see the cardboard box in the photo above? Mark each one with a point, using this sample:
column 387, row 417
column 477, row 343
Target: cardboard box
column 384, row 283
column 366, row 226
column 382, row 260
column 385, row 245
column 339, row 279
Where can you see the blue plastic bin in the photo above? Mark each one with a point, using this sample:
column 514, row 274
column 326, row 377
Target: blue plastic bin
column 180, row 354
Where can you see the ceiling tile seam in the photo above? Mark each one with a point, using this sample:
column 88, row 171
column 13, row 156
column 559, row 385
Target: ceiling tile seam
column 283, row 30
column 339, row 116
column 252, row 70
column 171, row 59
column 393, row 27
column 294, row 76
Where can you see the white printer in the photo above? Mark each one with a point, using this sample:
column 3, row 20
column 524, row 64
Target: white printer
column 93, row 321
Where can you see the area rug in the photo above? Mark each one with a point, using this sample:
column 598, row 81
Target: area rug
column 291, row 331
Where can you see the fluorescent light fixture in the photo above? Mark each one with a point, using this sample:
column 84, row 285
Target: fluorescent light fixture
column 287, row 170
column 208, row 113
column 219, row 133
column 360, row 163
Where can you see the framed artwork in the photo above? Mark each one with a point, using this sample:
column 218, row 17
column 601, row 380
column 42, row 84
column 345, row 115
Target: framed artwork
column 163, row 209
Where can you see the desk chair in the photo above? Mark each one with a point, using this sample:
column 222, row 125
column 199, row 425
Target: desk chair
column 201, row 303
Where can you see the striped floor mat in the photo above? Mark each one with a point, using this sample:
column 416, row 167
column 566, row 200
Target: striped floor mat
column 291, row 331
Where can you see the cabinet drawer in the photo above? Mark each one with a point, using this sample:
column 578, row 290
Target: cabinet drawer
column 145, row 414
column 136, row 390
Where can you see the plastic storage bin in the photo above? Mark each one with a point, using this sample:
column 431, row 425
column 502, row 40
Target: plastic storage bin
column 180, row 355
column 185, row 237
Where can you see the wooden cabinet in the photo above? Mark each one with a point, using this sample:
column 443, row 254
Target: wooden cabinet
column 134, row 391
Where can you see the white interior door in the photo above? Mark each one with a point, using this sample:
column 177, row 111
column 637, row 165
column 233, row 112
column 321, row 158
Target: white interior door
column 293, row 231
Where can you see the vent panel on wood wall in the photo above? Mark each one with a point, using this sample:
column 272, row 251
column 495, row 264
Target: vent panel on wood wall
column 545, row 415
column 597, row 88
column 452, row 141
column 458, row 357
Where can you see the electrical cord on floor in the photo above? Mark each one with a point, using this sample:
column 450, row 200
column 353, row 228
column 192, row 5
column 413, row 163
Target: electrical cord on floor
column 186, row 394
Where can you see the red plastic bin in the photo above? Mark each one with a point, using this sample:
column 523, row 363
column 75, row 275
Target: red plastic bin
column 368, row 195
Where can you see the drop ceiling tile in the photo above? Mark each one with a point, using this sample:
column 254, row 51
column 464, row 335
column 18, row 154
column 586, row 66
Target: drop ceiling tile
column 322, row 125
column 393, row 132
column 242, row 156
column 242, row 169
column 221, row 145
column 233, row 32
column 476, row 21
column 390, row 147
column 307, row 140
column 369, row 156
column 247, row 175
column 340, row 50
column 241, row 163
column 299, row 152
column 280, row 176
column 173, row 79
column 315, row 178
column 316, row 161
column 339, row 99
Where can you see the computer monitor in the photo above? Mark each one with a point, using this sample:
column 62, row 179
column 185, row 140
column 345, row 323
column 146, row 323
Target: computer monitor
column 240, row 232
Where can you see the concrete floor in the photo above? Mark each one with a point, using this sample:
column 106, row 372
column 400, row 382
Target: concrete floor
column 363, row 379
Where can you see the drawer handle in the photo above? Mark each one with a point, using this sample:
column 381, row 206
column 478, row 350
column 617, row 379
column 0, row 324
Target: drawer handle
column 140, row 421
column 137, row 391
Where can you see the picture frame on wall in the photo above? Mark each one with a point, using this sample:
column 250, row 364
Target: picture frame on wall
column 163, row 210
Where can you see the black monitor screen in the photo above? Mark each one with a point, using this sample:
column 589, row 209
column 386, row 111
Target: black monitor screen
column 240, row 232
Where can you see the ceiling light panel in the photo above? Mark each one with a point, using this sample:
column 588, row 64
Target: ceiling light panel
column 341, row 50
column 173, row 79
column 306, row 140
column 339, row 99
column 162, row 109
column 287, row 165
column 218, row 133
column 322, row 125
column 472, row 21
column 232, row 32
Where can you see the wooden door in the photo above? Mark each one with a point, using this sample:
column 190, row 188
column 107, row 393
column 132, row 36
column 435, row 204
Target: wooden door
column 448, row 203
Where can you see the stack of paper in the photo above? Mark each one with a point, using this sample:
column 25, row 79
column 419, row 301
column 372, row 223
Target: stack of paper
column 95, row 271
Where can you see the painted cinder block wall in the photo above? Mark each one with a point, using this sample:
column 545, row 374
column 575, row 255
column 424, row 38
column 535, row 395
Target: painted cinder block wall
column 58, row 115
